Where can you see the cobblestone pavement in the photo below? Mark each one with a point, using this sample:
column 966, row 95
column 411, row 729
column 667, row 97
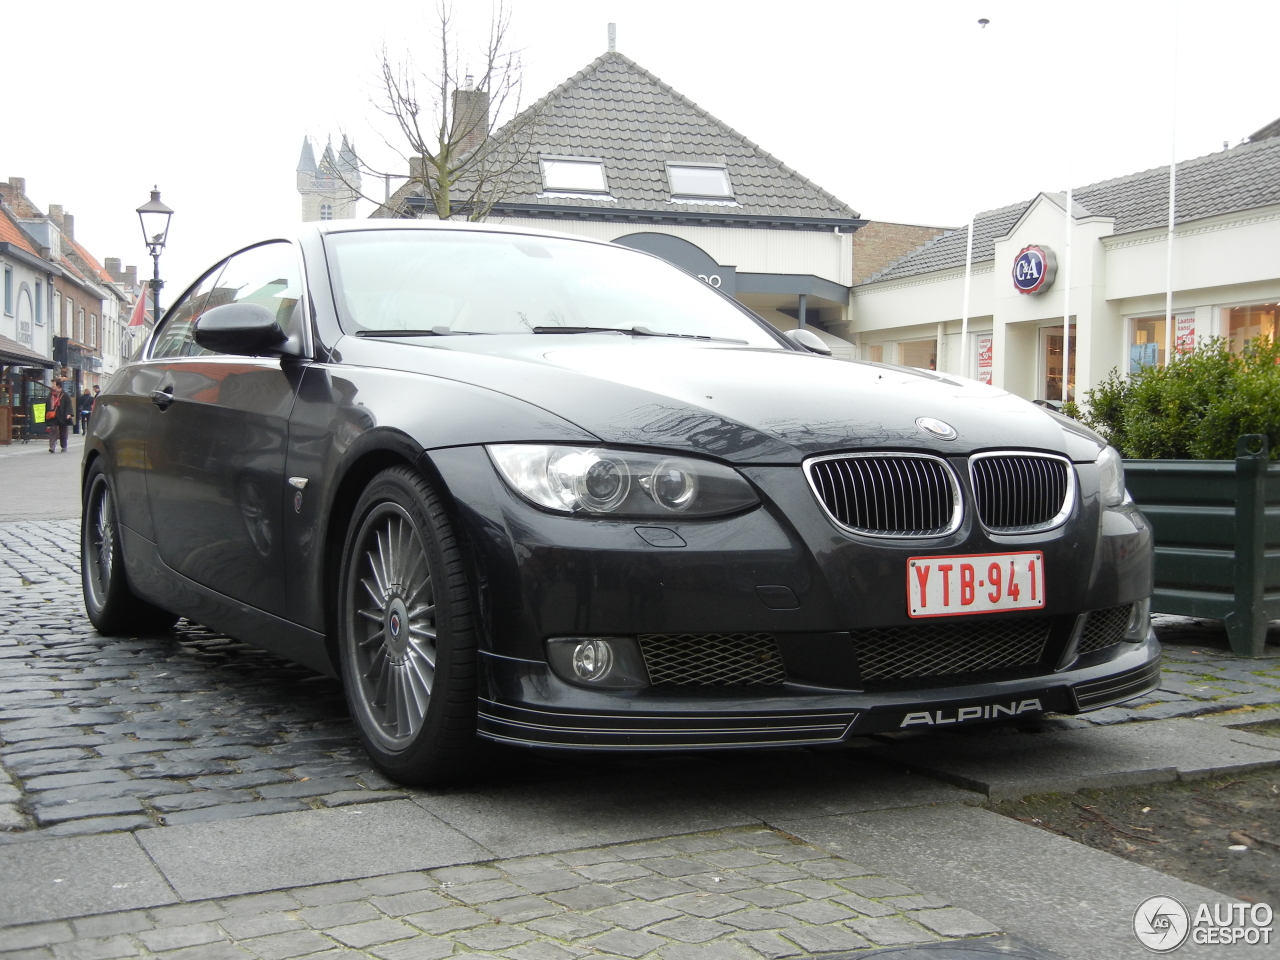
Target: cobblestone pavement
column 739, row 894
column 106, row 733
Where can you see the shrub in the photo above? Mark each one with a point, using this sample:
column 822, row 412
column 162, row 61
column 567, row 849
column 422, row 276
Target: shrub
column 1195, row 407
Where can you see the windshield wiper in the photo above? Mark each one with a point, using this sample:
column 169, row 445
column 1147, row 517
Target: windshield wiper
column 433, row 332
column 636, row 331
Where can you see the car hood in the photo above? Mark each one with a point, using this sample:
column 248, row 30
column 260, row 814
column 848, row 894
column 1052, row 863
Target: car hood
column 734, row 403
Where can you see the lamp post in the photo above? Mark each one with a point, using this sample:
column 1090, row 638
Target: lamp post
column 154, row 217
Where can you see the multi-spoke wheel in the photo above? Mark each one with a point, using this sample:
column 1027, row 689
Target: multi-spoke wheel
column 407, row 646
column 112, row 606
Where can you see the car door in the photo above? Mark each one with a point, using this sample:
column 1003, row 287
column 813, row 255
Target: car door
column 216, row 467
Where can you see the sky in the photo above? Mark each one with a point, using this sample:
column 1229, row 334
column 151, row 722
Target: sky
column 907, row 111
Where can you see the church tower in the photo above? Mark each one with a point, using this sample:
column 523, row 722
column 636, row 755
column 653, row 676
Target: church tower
column 331, row 187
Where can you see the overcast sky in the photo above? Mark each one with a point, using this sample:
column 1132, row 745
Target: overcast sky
column 906, row 111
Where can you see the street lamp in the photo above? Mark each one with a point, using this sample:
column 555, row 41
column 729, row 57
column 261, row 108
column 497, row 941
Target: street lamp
column 154, row 217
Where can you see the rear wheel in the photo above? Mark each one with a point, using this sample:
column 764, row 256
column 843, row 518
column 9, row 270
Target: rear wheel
column 112, row 607
column 407, row 632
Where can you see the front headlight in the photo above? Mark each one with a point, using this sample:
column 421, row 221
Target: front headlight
column 602, row 482
column 1110, row 477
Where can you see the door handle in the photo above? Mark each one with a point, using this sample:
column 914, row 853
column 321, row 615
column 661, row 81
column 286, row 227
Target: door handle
column 163, row 397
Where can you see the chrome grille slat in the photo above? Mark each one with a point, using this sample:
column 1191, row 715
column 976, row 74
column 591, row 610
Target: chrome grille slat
column 888, row 495
column 940, row 650
column 1016, row 493
column 1104, row 628
column 712, row 660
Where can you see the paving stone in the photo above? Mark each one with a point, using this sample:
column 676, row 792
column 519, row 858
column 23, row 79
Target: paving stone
column 834, row 869
column 493, row 938
column 111, row 924
column 636, row 914
column 181, row 914
column 918, row 901
column 173, row 938
column 655, row 888
column 231, row 811
column 868, row 908
column 11, row 817
column 397, row 883
column 588, row 897
column 876, row 887
column 627, row 943
column 520, row 909
column 712, row 883
column 258, row 903
column 759, row 920
column 260, row 925
column 774, row 873
column 307, row 788
column 415, row 901
column 460, row 875
column 953, row 922
column 691, row 929
column 419, row 948
column 724, row 950
column 208, row 951
column 770, row 945
column 91, row 825
column 768, row 897
column 287, row 944
column 257, row 778
column 824, row 939
column 337, row 915
column 613, row 872
column 706, row 904
column 544, row 950
column 326, row 893
column 362, row 935
column 34, row 935
column 105, row 948
column 568, row 926
column 201, row 798
column 347, row 797
column 889, row 931
column 53, row 781
column 738, row 858
column 643, row 851
column 577, row 858
column 676, row 866
column 448, row 920
column 485, row 892
column 59, row 812
column 547, row 881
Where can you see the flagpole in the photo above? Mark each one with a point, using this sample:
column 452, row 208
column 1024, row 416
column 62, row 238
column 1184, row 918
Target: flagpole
column 1173, row 197
column 964, row 312
column 1066, row 296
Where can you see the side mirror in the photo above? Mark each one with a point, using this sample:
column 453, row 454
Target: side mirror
column 244, row 328
column 807, row 339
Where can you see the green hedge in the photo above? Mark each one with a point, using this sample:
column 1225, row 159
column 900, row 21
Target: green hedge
column 1195, row 407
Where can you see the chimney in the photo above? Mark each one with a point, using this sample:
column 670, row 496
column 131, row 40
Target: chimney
column 112, row 266
column 131, row 276
column 55, row 214
column 470, row 117
column 69, row 226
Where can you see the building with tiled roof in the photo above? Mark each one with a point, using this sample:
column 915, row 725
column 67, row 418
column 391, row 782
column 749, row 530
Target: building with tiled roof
column 1225, row 279
column 616, row 154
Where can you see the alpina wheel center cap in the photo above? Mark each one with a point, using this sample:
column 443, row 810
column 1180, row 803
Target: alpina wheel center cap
column 396, row 628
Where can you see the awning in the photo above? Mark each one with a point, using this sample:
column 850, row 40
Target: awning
column 14, row 354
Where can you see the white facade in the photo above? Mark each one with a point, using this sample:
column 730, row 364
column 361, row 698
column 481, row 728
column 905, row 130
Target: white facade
column 1226, row 282
column 27, row 305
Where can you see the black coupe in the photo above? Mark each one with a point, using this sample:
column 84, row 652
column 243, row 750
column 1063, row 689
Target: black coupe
column 550, row 491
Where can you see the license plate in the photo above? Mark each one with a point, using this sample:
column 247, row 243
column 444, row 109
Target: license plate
column 974, row 583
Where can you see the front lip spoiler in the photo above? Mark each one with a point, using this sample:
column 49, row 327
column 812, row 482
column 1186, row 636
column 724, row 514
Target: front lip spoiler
column 692, row 726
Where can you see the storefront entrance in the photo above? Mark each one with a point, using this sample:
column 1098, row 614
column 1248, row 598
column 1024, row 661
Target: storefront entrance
column 1051, row 363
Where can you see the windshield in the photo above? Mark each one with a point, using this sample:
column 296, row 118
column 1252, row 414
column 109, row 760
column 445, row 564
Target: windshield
column 450, row 281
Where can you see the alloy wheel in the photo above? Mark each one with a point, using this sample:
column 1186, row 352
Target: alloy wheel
column 99, row 548
column 391, row 625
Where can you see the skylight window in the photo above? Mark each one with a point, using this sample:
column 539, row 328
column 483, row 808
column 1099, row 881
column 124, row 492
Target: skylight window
column 573, row 175
column 694, row 180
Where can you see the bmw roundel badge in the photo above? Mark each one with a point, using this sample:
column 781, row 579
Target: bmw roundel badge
column 939, row 429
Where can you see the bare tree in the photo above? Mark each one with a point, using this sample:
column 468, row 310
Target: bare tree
column 445, row 119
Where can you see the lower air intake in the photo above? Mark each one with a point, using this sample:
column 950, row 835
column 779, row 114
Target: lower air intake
column 941, row 650
column 1104, row 627
column 712, row 659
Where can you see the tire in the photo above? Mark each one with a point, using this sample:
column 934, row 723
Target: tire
column 113, row 608
column 407, row 643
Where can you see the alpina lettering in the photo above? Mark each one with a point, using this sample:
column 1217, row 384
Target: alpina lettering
column 963, row 714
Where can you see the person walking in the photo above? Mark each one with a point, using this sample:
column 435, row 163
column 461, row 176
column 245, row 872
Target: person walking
column 86, row 408
column 59, row 415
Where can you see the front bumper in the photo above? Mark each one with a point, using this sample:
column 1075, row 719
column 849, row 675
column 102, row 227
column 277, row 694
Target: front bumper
column 532, row 707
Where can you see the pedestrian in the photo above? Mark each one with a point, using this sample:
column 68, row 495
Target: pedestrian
column 59, row 415
column 86, row 408
column 97, row 392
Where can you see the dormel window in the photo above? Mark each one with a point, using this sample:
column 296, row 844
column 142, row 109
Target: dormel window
column 573, row 175
column 695, row 180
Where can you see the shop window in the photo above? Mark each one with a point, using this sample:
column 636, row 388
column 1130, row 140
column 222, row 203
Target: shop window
column 573, row 175
column 983, row 353
column 1051, row 351
column 875, row 352
column 698, row 180
column 919, row 353
column 1249, row 323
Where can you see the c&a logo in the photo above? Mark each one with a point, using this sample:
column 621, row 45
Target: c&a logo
column 1034, row 269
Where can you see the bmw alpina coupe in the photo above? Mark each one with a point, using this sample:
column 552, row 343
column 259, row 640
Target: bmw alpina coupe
column 549, row 491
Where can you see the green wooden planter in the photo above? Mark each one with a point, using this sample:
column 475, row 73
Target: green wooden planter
column 1217, row 533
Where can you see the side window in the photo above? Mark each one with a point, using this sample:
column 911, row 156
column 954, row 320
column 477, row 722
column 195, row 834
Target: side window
column 175, row 338
column 266, row 275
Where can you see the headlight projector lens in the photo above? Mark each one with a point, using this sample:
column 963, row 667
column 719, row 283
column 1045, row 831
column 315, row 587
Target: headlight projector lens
column 674, row 485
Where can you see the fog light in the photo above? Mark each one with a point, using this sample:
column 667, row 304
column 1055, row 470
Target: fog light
column 611, row 663
column 1139, row 622
column 592, row 659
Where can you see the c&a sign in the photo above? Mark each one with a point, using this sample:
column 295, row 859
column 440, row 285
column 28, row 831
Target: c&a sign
column 1034, row 269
